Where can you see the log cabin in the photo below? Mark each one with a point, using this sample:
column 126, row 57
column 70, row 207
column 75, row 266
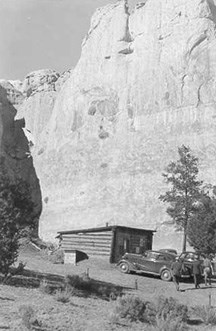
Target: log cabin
column 110, row 242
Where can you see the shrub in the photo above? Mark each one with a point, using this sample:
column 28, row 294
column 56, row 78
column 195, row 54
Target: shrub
column 20, row 268
column 169, row 308
column 63, row 296
column 131, row 308
column 169, row 315
column 29, row 319
column 78, row 282
column 206, row 313
column 45, row 287
column 27, row 314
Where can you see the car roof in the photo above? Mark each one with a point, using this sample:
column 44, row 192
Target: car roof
column 196, row 253
column 159, row 252
column 168, row 250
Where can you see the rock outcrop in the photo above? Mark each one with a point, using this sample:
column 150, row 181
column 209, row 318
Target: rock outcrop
column 14, row 96
column 144, row 85
column 39, row 81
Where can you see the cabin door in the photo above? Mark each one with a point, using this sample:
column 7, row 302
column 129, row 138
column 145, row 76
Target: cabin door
column 126, row 245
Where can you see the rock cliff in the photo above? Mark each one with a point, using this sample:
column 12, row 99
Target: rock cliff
column 144, row 85
column 25, row 110
column 14, row 147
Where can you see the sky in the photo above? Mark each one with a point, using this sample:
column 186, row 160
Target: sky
column 43, row 34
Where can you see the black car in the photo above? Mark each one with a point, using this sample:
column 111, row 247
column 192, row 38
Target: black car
column 151, row 262
column 188, row 258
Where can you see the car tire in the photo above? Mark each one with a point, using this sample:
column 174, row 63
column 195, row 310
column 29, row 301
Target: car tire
column 166, row 275
column 124, row 267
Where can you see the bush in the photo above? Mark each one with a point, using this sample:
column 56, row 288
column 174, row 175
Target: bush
column 45, row 287
column 131, row 308
column 169, row 308
column 27, row 314
column 63, row 296
column 169, row 315
column 206, row 313
column 78, row 282
column 29, row 319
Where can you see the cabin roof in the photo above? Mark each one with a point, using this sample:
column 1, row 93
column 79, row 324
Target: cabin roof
column 105, row 228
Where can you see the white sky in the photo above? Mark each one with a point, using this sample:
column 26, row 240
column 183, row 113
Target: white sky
column 37, row 34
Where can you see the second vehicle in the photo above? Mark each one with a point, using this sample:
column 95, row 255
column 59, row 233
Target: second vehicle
column 151, row 262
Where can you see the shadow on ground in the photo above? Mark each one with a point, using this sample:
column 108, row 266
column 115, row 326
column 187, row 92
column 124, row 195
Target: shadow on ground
column 81, row 285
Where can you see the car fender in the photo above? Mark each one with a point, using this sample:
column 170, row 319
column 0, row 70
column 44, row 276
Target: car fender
column 132, row 266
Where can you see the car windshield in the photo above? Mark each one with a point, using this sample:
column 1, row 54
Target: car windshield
column 150, row 255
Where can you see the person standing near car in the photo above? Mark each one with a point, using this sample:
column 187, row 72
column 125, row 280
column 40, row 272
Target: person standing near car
column 208, row 270
column 176, row 268
column 197, row 271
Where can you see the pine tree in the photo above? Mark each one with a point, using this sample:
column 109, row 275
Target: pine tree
column 185, row 189
column 16, row 207
column 202, row 226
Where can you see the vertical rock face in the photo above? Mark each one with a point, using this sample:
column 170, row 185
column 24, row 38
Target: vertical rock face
column 39, row 89
column 144, row 85
column 14, row 148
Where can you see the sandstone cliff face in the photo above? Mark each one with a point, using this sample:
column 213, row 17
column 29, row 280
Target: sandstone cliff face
column 39, row 89
column 145, row 84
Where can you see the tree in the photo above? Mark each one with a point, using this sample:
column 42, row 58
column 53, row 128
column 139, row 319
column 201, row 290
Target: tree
column 185, row 189
column 15, row 207
column 202, row 226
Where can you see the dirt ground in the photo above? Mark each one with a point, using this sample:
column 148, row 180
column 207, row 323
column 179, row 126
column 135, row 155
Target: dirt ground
column 89, row 313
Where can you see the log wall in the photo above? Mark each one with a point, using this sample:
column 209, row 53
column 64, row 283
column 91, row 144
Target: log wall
column 93, row 244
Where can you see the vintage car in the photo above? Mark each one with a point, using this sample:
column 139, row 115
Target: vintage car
column 151, row 262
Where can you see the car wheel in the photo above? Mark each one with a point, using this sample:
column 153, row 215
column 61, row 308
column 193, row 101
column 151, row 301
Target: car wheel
column 124, row 267
column 166, row 275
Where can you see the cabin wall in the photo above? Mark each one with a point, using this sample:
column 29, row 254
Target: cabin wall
column 131, row 241
column 92, row 243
